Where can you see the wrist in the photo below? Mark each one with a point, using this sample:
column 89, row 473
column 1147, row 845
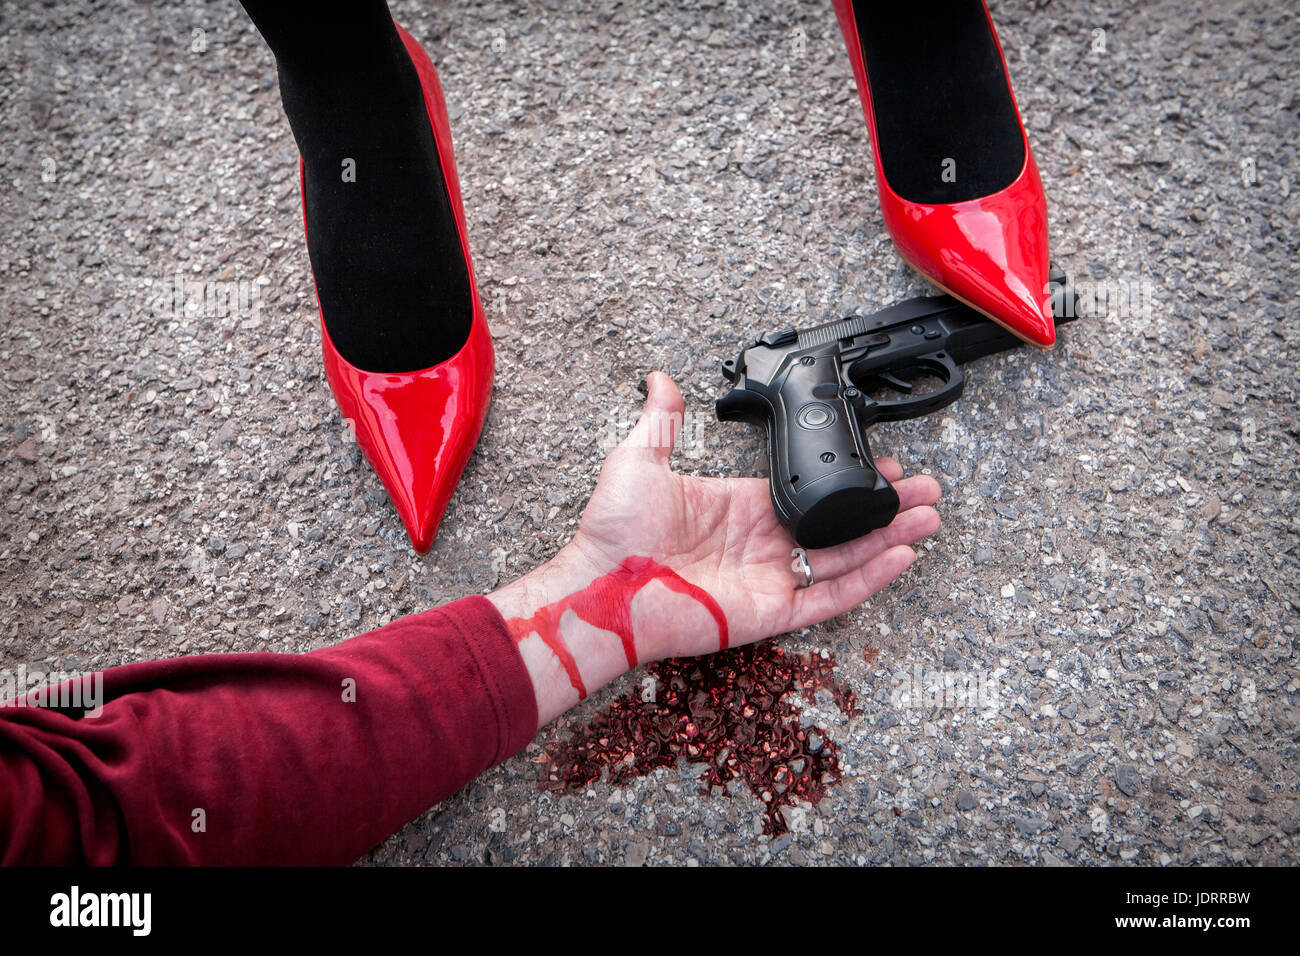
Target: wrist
column 607, row 589
column 585, row 617
column 565, row 657
column 565, row 573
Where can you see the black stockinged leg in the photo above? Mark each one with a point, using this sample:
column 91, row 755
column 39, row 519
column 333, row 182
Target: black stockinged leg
column 390, row 271
column 940, row 93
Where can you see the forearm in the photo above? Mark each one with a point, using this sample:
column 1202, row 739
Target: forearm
column 266, row 758
column 314, row 758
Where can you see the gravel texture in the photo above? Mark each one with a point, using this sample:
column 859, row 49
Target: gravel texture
column 647, row 189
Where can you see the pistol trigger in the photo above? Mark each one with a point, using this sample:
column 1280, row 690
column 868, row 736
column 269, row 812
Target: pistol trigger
column 893, row 381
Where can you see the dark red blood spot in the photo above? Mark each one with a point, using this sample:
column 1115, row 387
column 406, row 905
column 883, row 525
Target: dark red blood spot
column 870, row 654
column 730, row 711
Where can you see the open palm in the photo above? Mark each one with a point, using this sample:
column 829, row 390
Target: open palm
column 722, row 535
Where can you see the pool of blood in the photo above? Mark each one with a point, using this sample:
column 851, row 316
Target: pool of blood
column 731, row 711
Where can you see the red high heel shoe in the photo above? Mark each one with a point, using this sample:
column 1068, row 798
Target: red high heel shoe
column 958, row 186
column 418, row 429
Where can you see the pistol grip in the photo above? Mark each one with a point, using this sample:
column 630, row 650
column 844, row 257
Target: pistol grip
column 825, row 486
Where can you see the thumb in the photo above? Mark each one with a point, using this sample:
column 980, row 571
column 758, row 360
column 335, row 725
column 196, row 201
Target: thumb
column 656, row 431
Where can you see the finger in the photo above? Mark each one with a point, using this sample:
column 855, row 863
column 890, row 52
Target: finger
column 827, row 599
column 908, row 528
column 889, row 467
column 657, row 429
column 927, row 490
column 917, row 490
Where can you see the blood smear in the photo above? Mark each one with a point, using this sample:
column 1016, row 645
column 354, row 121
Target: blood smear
column 606, row 603
column 731, row 711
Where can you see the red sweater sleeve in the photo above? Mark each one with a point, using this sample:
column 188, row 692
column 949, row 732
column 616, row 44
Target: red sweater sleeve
column 267, row 758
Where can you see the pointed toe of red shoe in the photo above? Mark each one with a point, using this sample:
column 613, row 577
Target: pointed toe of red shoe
column 1008, row 299
column 991, row 252
column 418, row 429
column 421, row 526
column 1017, row 311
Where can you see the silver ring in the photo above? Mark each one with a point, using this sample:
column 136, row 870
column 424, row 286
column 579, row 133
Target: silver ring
column 802, row 565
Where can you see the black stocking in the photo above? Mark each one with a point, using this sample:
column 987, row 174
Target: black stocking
column 390, row 272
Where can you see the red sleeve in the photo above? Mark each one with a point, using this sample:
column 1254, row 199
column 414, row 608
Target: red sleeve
column 285, row 765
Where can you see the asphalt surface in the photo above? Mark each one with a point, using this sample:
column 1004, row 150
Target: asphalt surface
column 646, row 187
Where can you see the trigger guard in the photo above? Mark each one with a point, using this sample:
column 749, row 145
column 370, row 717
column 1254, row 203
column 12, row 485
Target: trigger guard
column 942, row 367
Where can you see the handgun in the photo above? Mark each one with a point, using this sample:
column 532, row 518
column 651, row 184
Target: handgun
column 818, row 390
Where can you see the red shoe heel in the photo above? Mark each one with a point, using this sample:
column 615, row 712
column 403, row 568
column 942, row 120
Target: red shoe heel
column 418, row 429
column 958, row 186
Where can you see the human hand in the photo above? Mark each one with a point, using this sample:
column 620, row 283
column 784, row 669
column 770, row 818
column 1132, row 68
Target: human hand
column 659, row 556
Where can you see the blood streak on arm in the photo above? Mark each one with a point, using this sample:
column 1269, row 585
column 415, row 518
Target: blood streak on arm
column 606, row 603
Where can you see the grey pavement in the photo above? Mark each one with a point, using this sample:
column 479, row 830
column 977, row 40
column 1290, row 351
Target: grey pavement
column 647, row 187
